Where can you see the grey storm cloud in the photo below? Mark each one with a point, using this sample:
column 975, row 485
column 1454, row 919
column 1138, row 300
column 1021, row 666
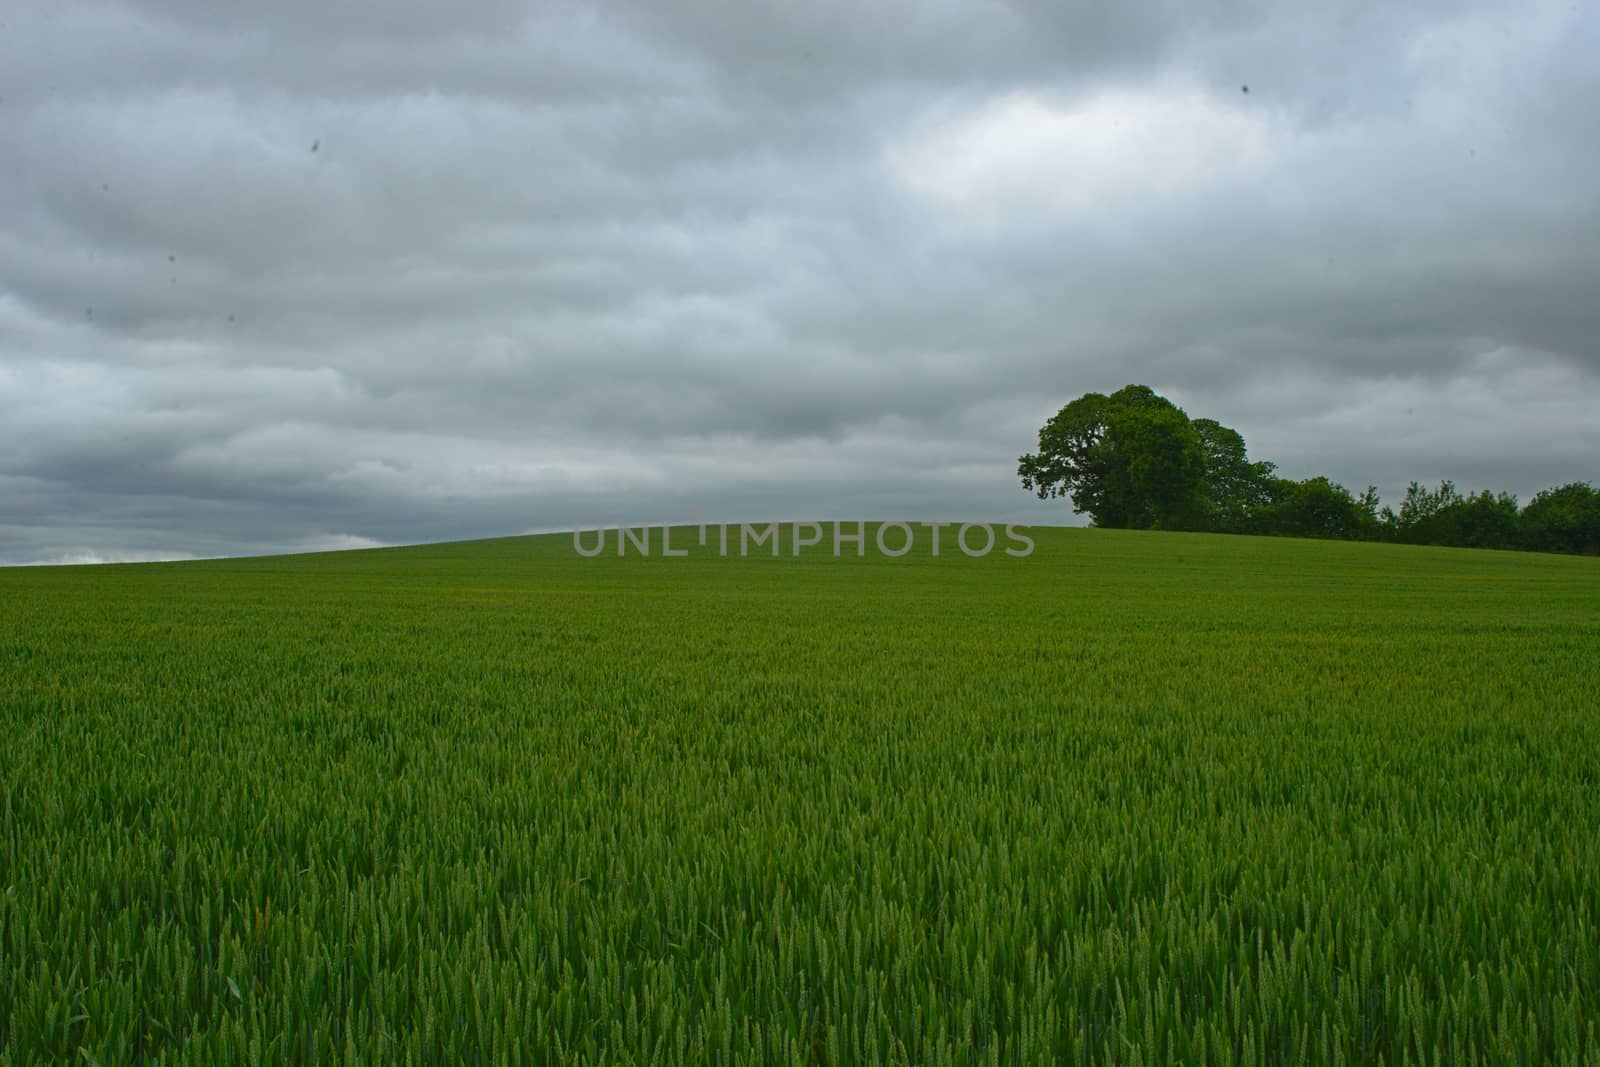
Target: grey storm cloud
column 311, row 275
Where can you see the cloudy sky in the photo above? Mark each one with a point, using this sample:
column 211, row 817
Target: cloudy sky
column 316, row 274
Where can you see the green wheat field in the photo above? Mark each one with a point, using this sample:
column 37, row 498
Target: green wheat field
column 1138, row 798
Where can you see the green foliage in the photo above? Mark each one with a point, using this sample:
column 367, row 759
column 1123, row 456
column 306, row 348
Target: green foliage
column 1235, row 487
column 1130, row 460
column 1565, row 519
column 1164, row 468
column 1445, row 517
column 1071, row 461
column 1415, row 521
column 1132, row 799
column 1315, row 507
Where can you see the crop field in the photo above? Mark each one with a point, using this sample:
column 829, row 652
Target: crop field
column 1136, row 798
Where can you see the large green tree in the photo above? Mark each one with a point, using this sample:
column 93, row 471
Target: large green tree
column 1131, row 459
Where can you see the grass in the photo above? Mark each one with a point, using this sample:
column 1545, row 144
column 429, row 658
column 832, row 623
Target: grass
column 1137, row 798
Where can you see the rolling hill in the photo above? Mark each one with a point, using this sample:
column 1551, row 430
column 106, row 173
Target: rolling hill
column 1134, row 797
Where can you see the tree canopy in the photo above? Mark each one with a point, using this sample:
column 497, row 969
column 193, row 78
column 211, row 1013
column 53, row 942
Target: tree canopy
column 1131, row 459
column 1136, row 460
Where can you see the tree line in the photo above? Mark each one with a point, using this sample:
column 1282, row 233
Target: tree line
column 1135, row 460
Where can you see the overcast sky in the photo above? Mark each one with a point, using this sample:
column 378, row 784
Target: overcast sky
column 310, row 274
